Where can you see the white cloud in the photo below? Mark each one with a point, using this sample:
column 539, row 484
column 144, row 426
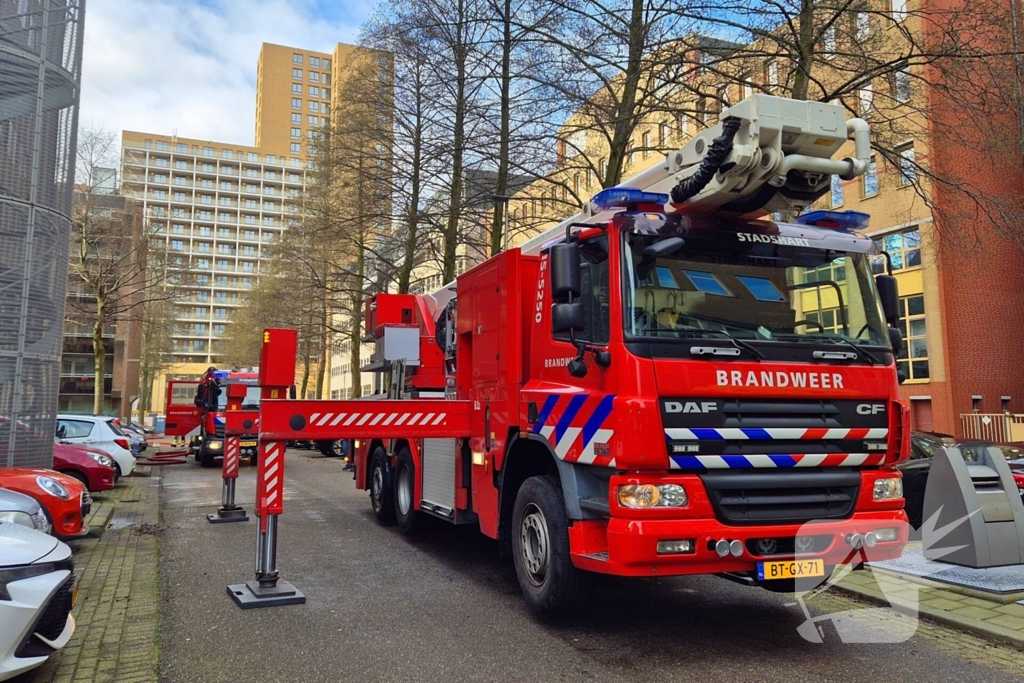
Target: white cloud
column 190, row 65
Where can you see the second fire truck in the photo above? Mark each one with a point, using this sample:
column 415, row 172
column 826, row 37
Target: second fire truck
column 664, row 384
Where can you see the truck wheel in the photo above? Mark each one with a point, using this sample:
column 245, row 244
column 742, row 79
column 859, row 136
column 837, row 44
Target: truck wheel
column 205, row 458
column 405, row 492
column 381, row 491
column 540, row 549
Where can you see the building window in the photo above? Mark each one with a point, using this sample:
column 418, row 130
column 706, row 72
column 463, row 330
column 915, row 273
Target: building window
column 899, row 10
column 870, row 181
column 181, row 165
column 296, row 148
column 314, row 76
column 772, row 74
column 829, row 41
column 162, row 163
column 161, row 146
column 297, row 74
column 314, row 62
column 314, row 120
column 326, row 65
column 866, row 96
column 314, row 91
column 904, row 248
column 913, row 359
column 296, row 133
column 863, row 27
column 296, row 119
column 901, row 85
column 296, row 58
column 908, row 165
column 837, row 190
column 326, row 93
column 829, row 319
column 296, row 103
column 314, row 106
column 296, row 88
column 646, row 141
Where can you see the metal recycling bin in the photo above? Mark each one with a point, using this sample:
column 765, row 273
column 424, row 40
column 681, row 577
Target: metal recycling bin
column 980, row 499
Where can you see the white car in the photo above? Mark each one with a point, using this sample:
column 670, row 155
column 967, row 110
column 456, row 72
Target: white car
column 101, row 433
column 38, row 588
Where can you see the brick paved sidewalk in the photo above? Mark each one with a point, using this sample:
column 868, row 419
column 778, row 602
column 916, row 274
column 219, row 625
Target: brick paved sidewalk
column 118, row 603
column 988, row 615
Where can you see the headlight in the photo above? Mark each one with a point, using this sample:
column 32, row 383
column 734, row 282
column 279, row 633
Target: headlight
column 640, row 496
column 104, row 460
column 41, row 521
column 15, row 517
column 53, row 487
column 888, row 489
column 215, row 445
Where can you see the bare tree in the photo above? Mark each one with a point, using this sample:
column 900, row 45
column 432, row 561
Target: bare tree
column 156, row 348
column 109, row 251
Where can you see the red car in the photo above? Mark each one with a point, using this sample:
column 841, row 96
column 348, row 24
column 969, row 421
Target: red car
column 64, row 498
column 94, row 468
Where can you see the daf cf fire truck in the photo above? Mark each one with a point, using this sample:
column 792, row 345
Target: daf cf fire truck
column 200, row 417
column 667, row 383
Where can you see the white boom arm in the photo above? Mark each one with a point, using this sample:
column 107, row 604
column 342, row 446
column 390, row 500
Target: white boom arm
column 781, row 159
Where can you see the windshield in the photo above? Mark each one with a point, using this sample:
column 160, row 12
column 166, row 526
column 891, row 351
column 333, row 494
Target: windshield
column 250, row 402
column 756, row 292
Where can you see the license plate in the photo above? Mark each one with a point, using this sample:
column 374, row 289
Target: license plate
column 790, row 569
column 248, row 444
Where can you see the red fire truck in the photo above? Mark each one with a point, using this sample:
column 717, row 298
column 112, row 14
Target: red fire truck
column 196, row 410
column 664, row 384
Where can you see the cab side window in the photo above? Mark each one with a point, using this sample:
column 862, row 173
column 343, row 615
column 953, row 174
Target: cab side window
column 594, row 292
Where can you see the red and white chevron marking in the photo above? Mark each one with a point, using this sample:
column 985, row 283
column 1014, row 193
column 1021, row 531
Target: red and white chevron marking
column 374, row 419
column 231, row 454
column 270, row 478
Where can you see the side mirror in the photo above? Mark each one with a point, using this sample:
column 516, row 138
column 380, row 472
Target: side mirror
column 565, row 272
column 889, row 293
column 895, row 340
column 566, row 318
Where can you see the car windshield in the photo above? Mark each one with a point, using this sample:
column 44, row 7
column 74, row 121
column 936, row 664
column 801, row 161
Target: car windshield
column 757, row 292
column 250, row 402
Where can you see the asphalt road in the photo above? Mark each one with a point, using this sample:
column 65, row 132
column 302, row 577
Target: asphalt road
column 440, row 607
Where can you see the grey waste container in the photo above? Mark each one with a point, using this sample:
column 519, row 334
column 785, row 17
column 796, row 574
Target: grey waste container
column 983, row 495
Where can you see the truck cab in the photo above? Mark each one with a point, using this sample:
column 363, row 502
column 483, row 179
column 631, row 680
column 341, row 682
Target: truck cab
column 211, row 404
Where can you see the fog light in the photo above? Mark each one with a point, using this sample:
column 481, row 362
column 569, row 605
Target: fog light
column 681, row 547
column 215, row 445
column 884, row 535
column 888, row 489
column 640, row 496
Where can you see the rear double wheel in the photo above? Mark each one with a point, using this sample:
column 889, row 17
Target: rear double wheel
column 382, row 498
column 550, row 582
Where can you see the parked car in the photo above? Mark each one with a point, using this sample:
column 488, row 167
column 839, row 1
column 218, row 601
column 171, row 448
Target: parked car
column 101, row 433
column 923, row 445
column 94, row 468
column 138, row 439
column 64, row 498
column 17, row 508
column 38, row 588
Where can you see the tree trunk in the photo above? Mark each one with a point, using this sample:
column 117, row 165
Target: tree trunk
column 322, row 376
column 305, row 374
column 357, row 324
column 99, row 356
column 451, row 231
column 805, row 57
column 501, row 182
column 622, row 127
column 412, row 225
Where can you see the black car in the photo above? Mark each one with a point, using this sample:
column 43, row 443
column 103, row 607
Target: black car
column 923, row 446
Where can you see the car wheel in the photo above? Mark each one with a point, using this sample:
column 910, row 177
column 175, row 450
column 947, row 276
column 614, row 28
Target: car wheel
column 540, row 549
column 337, row 448
column 117, row 471
column 405, row 492
column 77, row 475
column 381, row 492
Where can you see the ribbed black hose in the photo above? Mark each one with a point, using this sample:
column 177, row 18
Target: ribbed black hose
column 719, row 150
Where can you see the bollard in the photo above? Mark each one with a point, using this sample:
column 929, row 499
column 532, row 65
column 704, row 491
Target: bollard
column 228, row 510
column 267, row 590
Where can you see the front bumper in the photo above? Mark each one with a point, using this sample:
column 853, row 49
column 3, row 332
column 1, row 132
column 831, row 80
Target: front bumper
column 628, row 547
column 38, row 605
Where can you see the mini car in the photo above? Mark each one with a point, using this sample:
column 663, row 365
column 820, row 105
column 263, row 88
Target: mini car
column 65, row 499
column 92, row 467
column 101, row 433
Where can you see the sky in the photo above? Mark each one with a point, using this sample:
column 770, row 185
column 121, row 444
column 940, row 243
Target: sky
column 160, row 65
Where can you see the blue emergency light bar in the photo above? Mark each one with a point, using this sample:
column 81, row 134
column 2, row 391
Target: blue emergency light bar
column 626, row 197
column 837, row 220
column 220, row 374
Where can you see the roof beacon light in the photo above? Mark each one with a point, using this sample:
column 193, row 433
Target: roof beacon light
column 625, row 198
column 220, row 374
column 836, row 220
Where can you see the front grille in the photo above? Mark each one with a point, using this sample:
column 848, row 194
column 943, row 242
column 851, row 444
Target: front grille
column 787, row 545
column 790, row 497
column 780, row 413
column 218, row 430
column 53, row 619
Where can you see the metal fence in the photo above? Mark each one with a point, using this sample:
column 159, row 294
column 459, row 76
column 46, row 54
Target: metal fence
column 40, row 73
column 998, row 427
